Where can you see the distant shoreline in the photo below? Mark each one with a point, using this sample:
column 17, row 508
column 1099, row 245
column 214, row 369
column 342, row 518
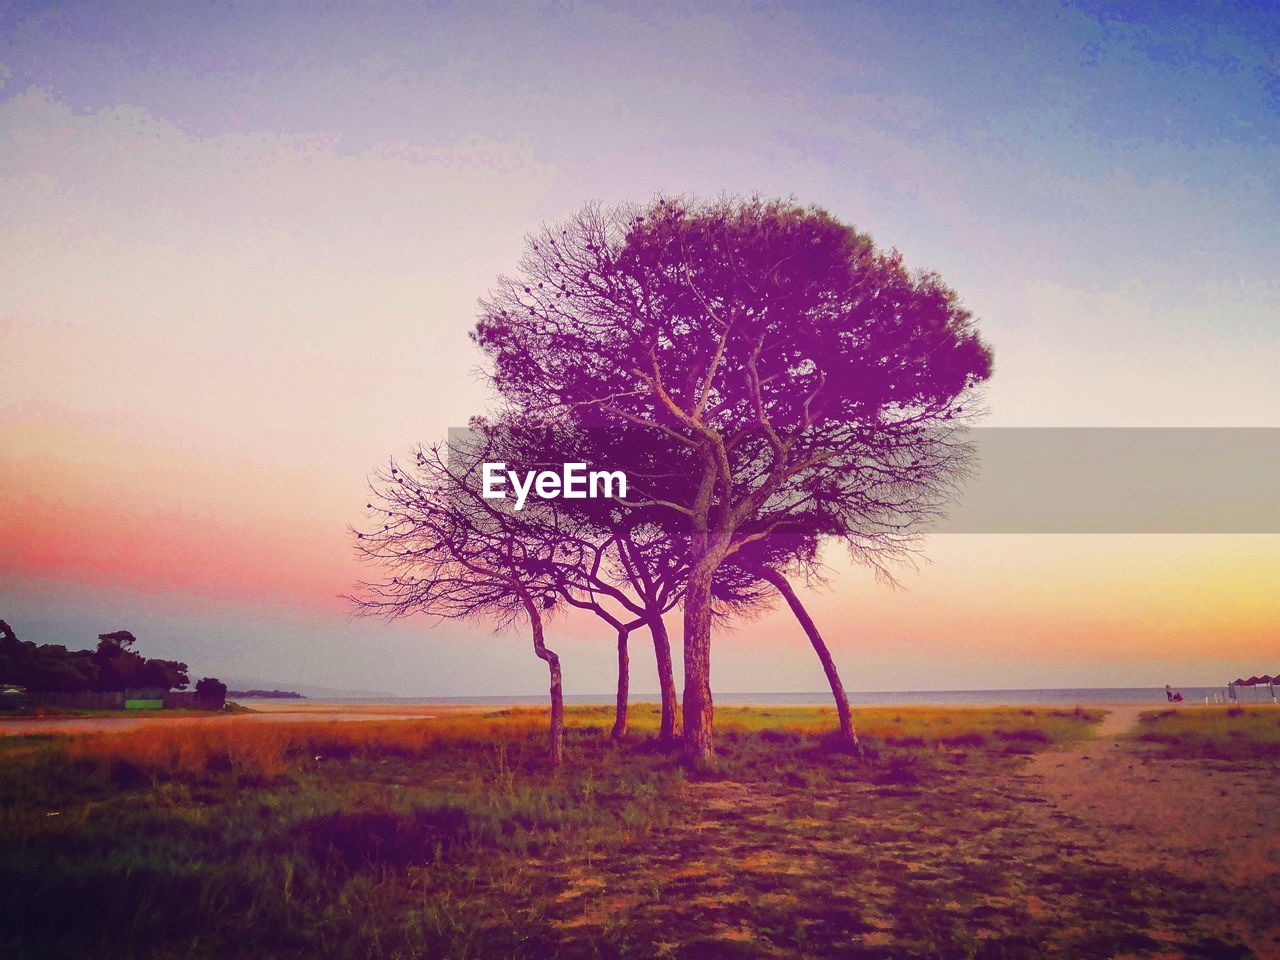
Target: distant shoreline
column 1062, row 696
column 311, row 711
column 266, row 695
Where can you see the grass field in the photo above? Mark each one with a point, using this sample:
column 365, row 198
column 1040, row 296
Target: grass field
column 1224, row 733
column 449, row 838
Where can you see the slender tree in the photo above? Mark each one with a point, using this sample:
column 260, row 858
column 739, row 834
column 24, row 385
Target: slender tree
column 589, row 598
column 451, row 555
column 778, row 559
column 616, row 560
column 635, row 571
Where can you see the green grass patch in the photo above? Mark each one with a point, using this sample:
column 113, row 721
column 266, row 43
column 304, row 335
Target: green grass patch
column 1225, row 733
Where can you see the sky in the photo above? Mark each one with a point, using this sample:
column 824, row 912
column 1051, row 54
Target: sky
column 241, row 247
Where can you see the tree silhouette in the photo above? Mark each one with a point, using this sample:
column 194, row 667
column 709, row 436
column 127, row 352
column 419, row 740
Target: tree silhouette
column 112, row 665
column 452, row 555
column 212, row 691
column 44, row 666
column 615, row 560
column 121, row 667
column 776, row 350
column 120, row 639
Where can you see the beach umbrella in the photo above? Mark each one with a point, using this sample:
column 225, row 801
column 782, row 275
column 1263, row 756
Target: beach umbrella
column 1253, row 681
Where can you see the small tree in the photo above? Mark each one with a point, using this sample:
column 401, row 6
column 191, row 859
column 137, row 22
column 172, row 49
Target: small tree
column 626, row 578
column 614, row 560
column 452, row 556
column 591, row 600
column 212, row 692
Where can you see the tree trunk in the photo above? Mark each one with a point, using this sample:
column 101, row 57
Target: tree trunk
column 848, row 736
column 666, row 679
column 624, row 686
column 699, row 734
column 556, row 747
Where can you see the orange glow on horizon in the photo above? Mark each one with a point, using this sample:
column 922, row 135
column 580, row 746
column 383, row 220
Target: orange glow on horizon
column 88, row 509
column 131, row 512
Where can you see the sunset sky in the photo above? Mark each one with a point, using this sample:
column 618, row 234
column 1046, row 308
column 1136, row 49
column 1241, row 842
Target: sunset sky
column 241, row 245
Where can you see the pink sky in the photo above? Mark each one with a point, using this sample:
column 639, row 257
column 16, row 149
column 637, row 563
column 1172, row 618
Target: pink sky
column 235, row 275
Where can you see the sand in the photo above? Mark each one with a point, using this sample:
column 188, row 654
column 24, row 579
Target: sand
column 1208, row 819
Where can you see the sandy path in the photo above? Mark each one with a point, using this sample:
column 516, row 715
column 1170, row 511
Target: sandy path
column 1205, row 818
column 1119, row 718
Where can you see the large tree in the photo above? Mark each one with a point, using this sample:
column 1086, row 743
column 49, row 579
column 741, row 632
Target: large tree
column 776, row 350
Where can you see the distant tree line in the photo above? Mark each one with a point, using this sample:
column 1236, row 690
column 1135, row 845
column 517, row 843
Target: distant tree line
column 113, row 664
column 267, row 694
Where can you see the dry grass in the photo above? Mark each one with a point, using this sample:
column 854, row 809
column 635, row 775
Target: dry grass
column 248, row 748
column 1223, row 733
column 266, row 749
column 922, row 726
column 449, row 837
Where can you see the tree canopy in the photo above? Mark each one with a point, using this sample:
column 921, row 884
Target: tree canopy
column 112, row 665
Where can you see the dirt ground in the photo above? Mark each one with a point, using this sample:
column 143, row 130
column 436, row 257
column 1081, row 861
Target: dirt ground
column 1203, row 818
column 1209, row 823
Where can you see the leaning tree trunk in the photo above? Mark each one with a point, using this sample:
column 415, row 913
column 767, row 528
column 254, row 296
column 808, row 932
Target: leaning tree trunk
column 699, row 738
column 666, row 679
column 848, row 736
column 624, row 686
column 555, row 754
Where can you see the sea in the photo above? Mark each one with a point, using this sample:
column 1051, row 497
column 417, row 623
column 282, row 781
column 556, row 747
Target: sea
column 1064, row 696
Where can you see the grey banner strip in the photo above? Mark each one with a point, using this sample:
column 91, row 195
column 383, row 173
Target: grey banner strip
column 1121, row 480
column 1101, row 480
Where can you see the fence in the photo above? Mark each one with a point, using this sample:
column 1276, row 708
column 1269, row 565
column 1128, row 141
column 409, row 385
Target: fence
column 190, row 700
column 114, row 700
column 79, row 700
